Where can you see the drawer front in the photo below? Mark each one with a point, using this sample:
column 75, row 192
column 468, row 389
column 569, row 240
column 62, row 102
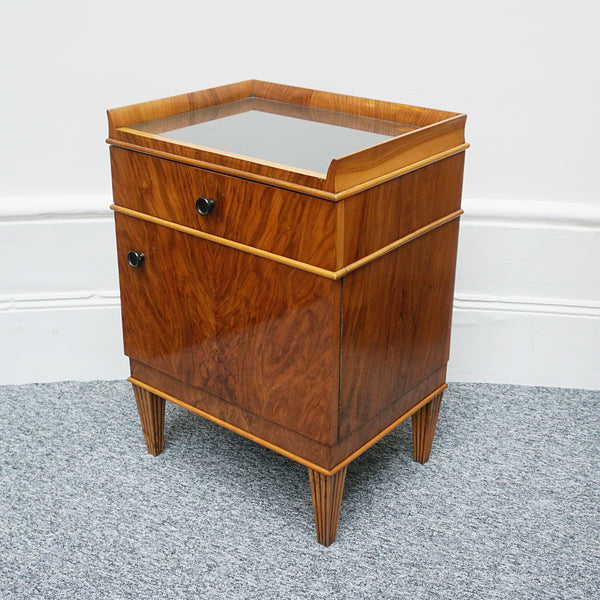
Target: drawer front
column 292, row 225
column 250, row 331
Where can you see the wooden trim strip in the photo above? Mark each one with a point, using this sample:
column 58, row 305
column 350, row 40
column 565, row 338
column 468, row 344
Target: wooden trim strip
column 382, row 110
column 181, row 103
column 399, row 242
column 288, row 185
column 278, row 449
column 290, row 262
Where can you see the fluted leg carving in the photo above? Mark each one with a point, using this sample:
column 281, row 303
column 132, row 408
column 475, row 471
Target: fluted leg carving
column 152, row 415
column 423, row 426
column 327, row 493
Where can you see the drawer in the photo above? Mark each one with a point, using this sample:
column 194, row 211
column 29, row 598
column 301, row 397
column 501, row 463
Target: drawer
column 296, row 226
column 265, row 337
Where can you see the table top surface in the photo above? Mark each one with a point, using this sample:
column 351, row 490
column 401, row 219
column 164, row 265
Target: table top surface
column 321, row 143
column 277, row 132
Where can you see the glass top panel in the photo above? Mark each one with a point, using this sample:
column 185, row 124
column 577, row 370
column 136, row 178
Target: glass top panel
column 279, row 132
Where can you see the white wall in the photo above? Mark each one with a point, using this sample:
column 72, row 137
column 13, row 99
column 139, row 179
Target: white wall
column 526, row 73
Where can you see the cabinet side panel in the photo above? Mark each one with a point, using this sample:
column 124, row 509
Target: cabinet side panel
column 396, row 328
column 248, row 330
column 391, row 210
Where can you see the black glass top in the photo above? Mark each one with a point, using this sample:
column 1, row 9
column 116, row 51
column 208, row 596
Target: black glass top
column 278, row 132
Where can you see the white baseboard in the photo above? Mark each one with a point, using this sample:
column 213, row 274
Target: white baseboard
column 527, row 300
column 527, row 306
column 52, row 208
column 525, row 213
column 62, row 343
column 533, row 346
column 59, row 300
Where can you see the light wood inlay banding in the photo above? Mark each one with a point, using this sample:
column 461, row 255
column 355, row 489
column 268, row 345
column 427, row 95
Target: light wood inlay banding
column 423, row 135
column 279, row 449
column 289, row 261
column 296, row 187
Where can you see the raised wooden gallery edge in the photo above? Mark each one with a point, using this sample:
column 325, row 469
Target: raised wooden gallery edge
column 427, row 135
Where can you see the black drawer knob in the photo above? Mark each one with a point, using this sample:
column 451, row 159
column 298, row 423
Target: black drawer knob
column 135, row 259
column 205, row 206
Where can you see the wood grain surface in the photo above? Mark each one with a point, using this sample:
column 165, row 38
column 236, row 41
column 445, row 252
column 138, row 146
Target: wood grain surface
column 234, row 417
column 326, row 459
column 354, row 105
column 327, row 492
column 423, row 427
column 396, row 324
column 376, row 428
column 293, row 225
column 422, row 133
column 173, row 105
column 151, row 409
column 245, row 329
column 384, row 159
column 382, row 214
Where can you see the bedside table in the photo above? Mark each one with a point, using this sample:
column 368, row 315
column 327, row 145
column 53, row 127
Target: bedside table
column 286, row 265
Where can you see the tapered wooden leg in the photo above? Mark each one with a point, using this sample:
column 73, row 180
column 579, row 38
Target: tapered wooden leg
column 423, row 426
column 327, row 493
column 152, row 415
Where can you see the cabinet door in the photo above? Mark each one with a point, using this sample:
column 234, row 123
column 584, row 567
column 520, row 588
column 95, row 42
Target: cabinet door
column 256, row 333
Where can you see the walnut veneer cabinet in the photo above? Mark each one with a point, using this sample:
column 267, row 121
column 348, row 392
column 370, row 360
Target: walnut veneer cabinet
column 286, row 263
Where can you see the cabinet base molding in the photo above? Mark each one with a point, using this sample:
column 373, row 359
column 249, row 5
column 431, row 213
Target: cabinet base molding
column 299, row 459
column 326, row 486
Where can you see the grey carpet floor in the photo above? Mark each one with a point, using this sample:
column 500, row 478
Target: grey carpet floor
column 507, row 507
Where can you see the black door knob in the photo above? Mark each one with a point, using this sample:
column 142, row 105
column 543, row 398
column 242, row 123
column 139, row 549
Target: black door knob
column 205, row 206
column 135, row 259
